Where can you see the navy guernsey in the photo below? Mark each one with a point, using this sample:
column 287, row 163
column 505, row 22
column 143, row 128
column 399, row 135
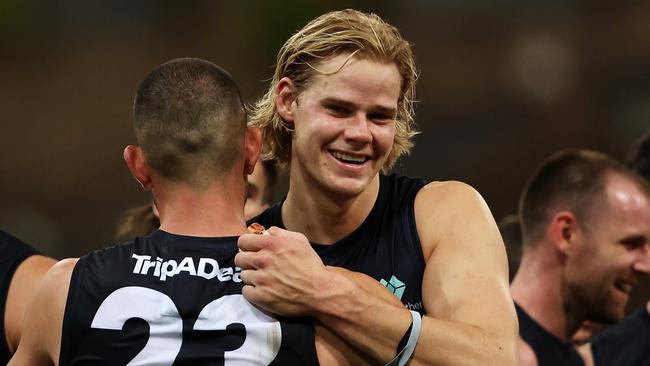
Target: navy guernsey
column 385, row 246
column 166, row 299
column 549, row 350
column 626, row 343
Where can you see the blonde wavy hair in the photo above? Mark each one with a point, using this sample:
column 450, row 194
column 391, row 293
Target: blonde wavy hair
column 357, row 34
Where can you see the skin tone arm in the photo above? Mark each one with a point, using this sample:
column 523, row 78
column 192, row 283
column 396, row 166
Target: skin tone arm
column 465, row 286
column 41, row 338
column 331, row 349
column 22, row 287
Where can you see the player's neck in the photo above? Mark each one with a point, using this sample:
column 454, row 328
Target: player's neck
column 537, row 288
column 325, row 218
column 213, row 212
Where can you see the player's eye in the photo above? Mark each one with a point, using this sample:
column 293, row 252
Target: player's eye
column 339, row 111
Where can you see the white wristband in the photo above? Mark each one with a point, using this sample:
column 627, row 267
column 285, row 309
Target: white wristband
column 413, row 338
column 405, row 354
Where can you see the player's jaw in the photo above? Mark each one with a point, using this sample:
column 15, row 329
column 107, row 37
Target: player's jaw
column 611, row 306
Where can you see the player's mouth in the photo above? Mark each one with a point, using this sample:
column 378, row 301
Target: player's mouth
column 624, row 289
column 347, row 158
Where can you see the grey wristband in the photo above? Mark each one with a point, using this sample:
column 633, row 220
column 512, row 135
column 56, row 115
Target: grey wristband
column 405, row 354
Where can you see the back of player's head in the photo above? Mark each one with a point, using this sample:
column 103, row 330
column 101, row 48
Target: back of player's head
column 345, row 32
column 639, row 157
column 189, row 121
column 572, row 181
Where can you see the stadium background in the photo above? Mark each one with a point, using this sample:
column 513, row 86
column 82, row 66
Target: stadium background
column 502, row 85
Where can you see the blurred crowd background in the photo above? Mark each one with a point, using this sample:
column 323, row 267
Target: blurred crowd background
column 502, row 85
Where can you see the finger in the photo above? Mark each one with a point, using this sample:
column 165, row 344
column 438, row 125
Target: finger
column 244, row 260
column 251, row 242
column 275, row 231
column 252, row 294
column 248, row 277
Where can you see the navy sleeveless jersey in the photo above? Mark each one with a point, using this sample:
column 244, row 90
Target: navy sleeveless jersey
column 386, row 246
column 549, row 350
column 12, row 253
column 166, row 299
column 626, row 343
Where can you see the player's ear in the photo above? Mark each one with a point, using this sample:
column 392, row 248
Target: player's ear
column 563, row 230
column 285, row 97
column 134, row 158
column 252, row 148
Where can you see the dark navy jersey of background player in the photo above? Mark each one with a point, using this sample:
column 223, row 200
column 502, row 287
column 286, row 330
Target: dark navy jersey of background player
column 549, row 350
column 173, row 300
column 385, row 246
column 624, row 344
column 12, row 253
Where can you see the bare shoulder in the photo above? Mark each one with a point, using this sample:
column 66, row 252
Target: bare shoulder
column 448, row 194
column 53, row 290
column 442, row 207
column 55, row 283
column 41, row 338
column 466, row 277
column 29, row 274
column 60, row 271
column 21, row 289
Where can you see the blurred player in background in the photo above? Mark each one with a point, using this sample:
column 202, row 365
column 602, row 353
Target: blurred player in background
column 586, row 226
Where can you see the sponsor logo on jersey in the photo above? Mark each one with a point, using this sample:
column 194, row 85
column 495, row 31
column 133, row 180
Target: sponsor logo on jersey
column 207, row 268
column 395, row 286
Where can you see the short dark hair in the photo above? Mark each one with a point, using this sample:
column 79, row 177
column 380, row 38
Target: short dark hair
column 639, row 157
column 569, row 180
column 189, row 120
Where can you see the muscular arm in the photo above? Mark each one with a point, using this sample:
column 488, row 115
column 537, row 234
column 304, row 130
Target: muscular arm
column 22, row 287
column 332, row 349
column 471, row 318
column 41, row 338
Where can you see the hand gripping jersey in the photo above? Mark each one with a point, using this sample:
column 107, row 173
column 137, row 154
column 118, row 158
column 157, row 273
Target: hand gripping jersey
column 12, row 253
column 626, row 343
column 173, row 300
column 386, row 246
column 549, row 350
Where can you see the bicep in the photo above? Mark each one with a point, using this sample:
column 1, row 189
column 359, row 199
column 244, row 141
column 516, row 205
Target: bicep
column 465, row 279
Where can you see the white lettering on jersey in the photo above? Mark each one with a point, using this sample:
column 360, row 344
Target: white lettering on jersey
column 207, row 268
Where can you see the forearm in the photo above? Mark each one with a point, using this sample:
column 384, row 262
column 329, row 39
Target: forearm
column 348, row 304
column 376, row 326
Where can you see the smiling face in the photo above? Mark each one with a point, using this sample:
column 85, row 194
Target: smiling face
column 612, row 253
column 344, row 125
